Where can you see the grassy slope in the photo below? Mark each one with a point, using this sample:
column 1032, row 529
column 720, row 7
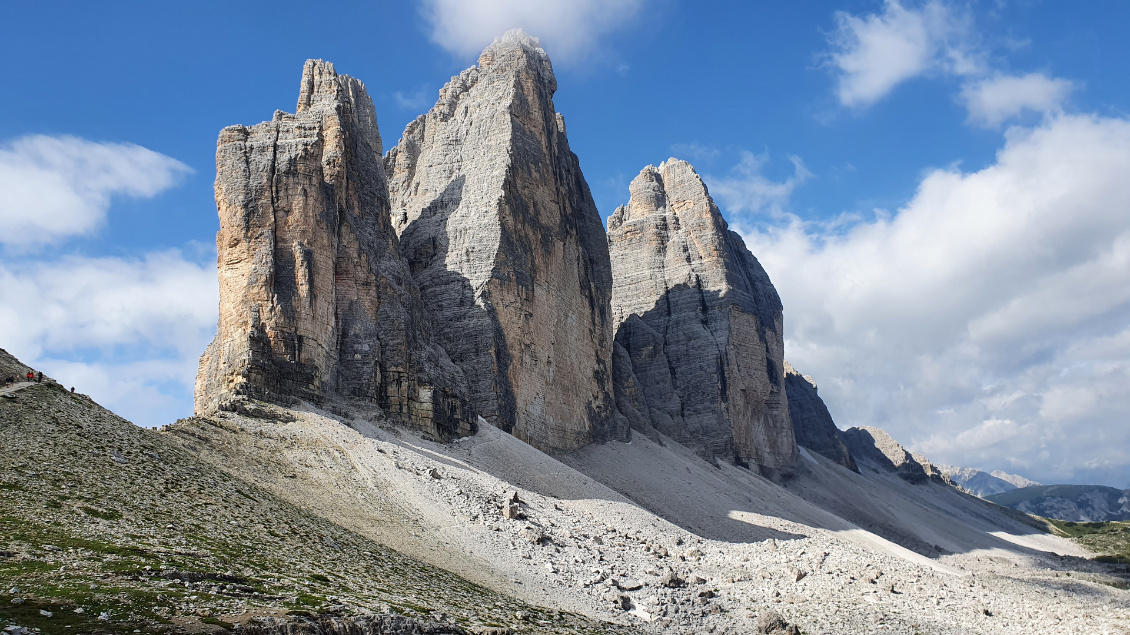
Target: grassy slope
column 98, row 514
column 1110, row 539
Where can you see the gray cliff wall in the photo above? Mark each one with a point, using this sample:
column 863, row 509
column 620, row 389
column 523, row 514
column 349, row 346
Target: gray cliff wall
column 812, row 423
column 507, row 246
column 315, row 299
column 698, row 323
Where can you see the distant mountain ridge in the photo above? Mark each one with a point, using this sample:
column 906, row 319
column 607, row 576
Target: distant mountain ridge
column 1077, row 503
column 1018, row 481
column 982, row 483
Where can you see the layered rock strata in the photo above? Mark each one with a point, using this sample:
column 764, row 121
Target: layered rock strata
column 315, row 299
column 507, row 247
column 812, row 423
column 874, row 448
column 699, row 352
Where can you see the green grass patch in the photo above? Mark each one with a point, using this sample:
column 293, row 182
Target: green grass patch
column 108, row 514
column 218, row 622
column 63, row 618
column 1111, row 540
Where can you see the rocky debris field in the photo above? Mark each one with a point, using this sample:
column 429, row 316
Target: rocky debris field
column 499, row 512
column 106, row 527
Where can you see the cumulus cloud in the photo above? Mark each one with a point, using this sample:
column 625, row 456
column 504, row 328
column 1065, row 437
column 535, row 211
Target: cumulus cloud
column 747, row 189
column 568, row 29
column 993, row 100
column 985, row 321
column 52, row 188
column 872, row 54
column 126, row 331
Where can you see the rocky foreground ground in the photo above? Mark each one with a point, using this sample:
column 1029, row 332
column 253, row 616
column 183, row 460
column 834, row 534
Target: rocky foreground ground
column 509, row 517
column 106, row 527
column 299, row 520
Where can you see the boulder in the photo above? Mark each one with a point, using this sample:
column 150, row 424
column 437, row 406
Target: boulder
column 507, row 246
column 315, row 299
column 699, row 324
column 771, row 623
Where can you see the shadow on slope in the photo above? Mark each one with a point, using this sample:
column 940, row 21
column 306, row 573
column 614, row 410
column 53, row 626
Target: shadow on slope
column 928, row 519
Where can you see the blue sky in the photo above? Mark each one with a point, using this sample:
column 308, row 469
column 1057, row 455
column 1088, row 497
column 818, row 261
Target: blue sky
column 934, row 187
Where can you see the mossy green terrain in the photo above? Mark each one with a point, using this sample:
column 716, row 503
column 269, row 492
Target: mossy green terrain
column 1109, row 539
column 109, row 528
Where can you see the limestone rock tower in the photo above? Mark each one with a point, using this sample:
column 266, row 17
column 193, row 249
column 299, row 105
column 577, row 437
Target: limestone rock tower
column 508, row 248
column 699, row 348
column 315, row 299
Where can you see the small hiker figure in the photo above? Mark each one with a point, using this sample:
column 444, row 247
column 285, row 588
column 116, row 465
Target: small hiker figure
column 9, row 381
column 72, row 388
column 39, row 378
column 30, row 376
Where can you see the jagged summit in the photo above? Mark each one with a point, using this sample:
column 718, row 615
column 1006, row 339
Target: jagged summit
column 507, row 246
column 873, row 448
column 507, row 48
column 699, row 353
column 315, row 300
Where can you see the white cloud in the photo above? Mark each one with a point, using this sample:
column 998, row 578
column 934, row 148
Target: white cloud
column 126, row 331
column 993, row 100
column 997, row 295
column 569, row 29
column 416, row 101
column 55, row 187
column 695, row 151
column 150, row 392
column 746, row 189
column 978, row 438
column 874, row 53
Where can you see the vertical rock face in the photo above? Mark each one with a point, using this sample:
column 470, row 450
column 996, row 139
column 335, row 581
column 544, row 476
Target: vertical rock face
column 698, row 321
column 812, row 423
column 508, row 249
column 314, row 296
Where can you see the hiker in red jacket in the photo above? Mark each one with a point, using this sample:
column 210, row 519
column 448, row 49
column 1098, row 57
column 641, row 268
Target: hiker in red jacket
column 30, row 376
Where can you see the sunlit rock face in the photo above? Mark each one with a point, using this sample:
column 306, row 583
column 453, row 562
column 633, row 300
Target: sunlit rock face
column 700, row 356
column 315, row 299
column 507, row 247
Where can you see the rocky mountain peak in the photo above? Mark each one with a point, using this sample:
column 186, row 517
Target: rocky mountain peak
column 874, row 448
column 650, row 189
column 320, row 85
column 699, row 352
column 315, row 300
column 812, row 423
column 506, row 244
column 516, row 51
